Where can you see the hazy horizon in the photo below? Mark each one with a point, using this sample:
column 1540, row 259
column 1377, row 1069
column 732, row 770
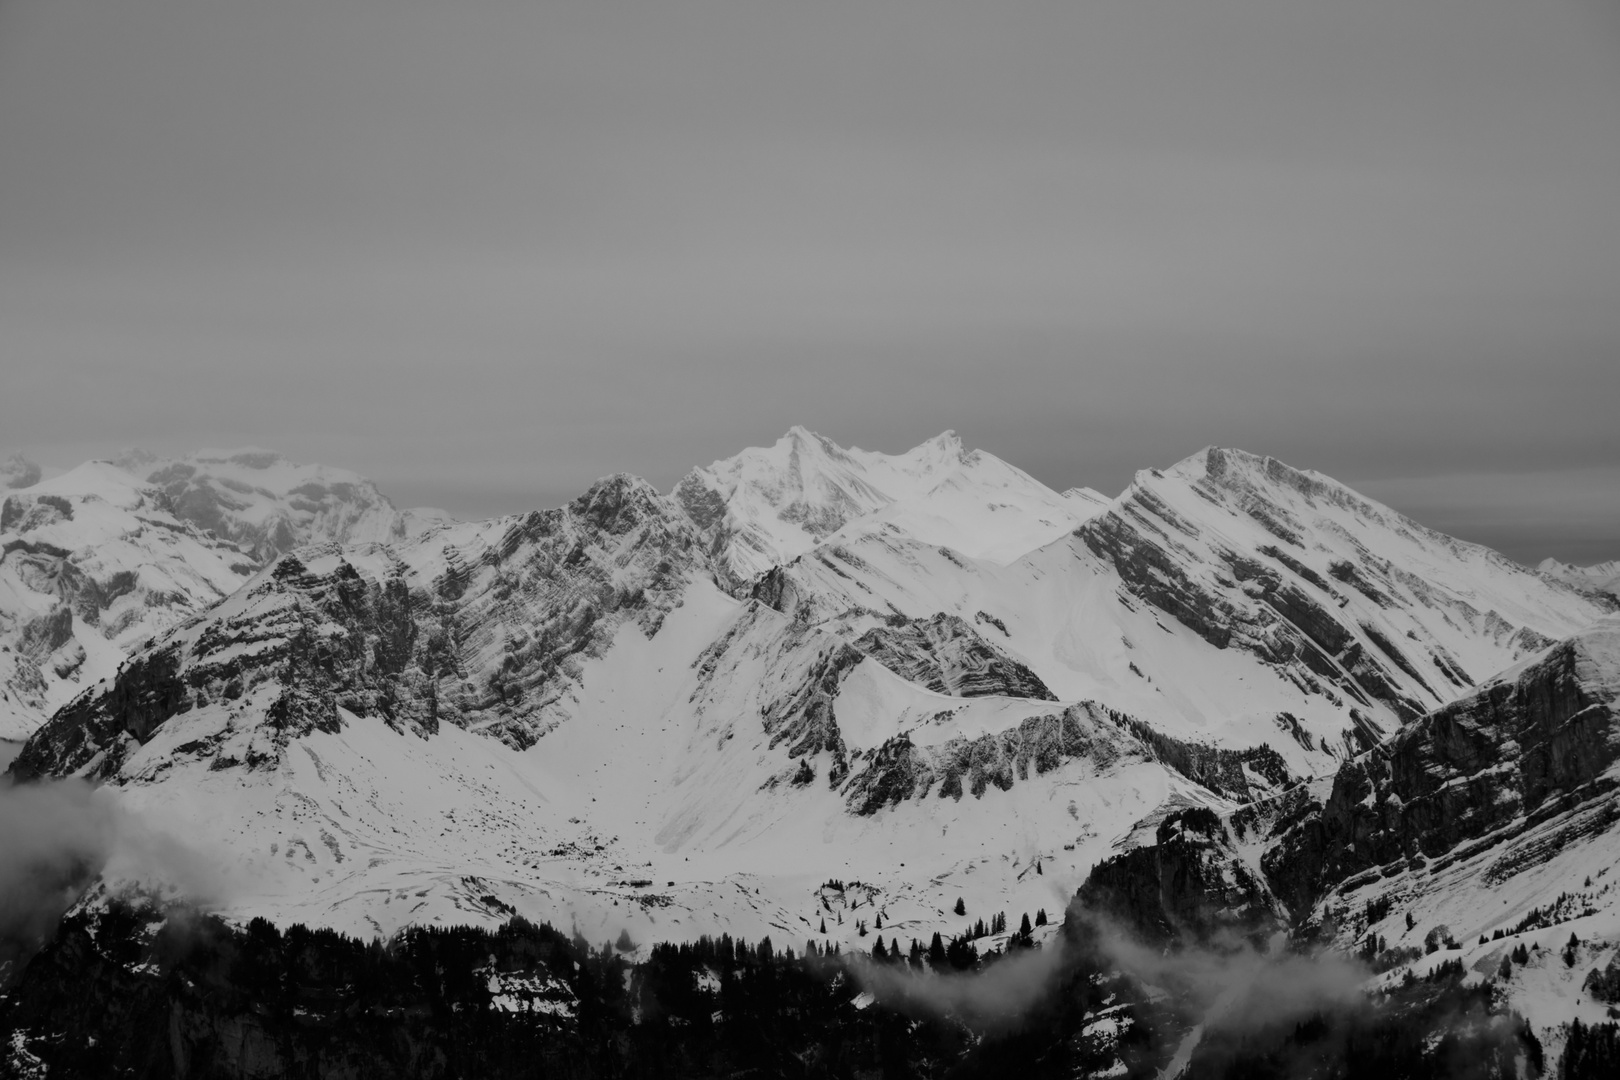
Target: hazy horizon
column 487, row 252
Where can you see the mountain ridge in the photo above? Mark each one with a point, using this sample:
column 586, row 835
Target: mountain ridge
column 367, row 728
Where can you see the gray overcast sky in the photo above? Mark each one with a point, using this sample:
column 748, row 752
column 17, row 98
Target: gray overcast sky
column 487, row 250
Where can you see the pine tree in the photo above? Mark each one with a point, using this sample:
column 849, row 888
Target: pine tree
column 1024, row 929
column 878, row 925
column 823, row 926
column 878, row 951
column 961, row 908
column 1040, row 917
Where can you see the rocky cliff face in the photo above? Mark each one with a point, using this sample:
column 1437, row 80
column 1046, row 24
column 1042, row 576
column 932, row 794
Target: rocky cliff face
column 297, row 646
column 482, row 627
column 947, row 656
column 101, row 560
column 1535, row 747
column 1189, row 886
column 899, row 769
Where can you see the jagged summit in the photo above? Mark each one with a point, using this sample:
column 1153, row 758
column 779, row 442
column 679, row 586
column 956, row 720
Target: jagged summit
column 767, row 506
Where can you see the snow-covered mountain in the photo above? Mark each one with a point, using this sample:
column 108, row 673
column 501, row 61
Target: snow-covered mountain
column 99, row 560
column 268, row 505
column 93, row 565
column 1229, row 599
column 766, row 506
column 1601, row 578
column 926, row 673
column 18, row 472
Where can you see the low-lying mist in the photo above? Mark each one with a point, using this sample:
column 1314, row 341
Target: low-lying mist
column 1218, row 1007
column 1229, row 984
column 57, row 836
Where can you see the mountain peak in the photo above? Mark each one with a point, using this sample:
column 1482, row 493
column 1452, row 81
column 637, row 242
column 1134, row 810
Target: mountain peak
column 798, row 433
column 1235, row 468
column 1603, row 577
column 268, row 504
column 18, row 471
column 615, row 503
column 768, row 505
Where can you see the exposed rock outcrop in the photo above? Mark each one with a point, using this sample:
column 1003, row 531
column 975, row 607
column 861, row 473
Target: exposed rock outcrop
column 1533, row 744
column 1187, row 887
column 899, row 769
column 484, row 635
column 93, row 554
column 948, row 656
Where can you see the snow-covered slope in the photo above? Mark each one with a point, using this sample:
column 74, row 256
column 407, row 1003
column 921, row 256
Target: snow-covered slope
column 268, row 505
column 1328, row 586
column 93, row 565
column 768, row 505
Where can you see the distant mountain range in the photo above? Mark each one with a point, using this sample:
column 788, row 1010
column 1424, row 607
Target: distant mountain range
column 926, row 673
